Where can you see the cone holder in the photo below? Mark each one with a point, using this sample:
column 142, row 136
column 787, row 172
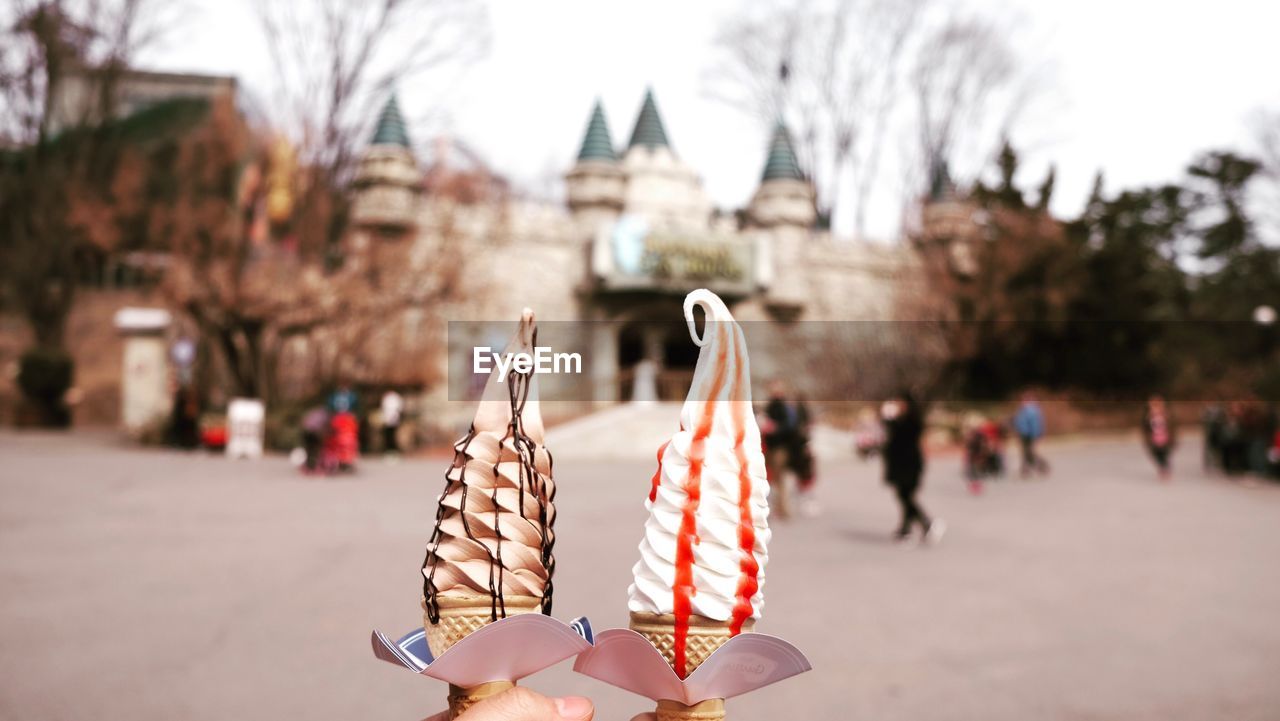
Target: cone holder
column 505, row 650
column 745, row 663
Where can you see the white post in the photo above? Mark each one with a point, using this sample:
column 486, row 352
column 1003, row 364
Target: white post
column 145, row 380
column 246, row 426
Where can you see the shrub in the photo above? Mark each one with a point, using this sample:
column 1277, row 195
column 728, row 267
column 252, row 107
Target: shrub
column 44, row 375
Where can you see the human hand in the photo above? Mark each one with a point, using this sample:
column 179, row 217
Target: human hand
column 521, row 704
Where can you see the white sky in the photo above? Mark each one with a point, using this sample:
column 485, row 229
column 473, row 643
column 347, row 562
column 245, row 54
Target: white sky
column 1137, row 87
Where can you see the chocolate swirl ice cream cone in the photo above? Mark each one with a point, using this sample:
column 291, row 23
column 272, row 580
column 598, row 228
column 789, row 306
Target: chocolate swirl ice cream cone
column 490, row 554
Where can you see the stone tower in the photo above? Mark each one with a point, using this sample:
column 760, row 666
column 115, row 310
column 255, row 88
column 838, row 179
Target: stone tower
column 660, row 187
column 785, row 197
column 595, row 186
column 782, row 215
column 387, row 180
column 951, row 221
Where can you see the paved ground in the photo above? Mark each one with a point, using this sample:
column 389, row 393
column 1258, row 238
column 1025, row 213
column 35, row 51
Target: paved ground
column 156, row 586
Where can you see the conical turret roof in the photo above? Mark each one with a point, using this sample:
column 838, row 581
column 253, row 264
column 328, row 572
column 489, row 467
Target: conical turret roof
column 391, row 128
column 940, row 185
column 649, row 131
column 782, row 163
column 597, row 144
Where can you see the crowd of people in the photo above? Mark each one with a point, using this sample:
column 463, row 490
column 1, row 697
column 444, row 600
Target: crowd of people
column 1240, row 437
column 984, row 444
column 786, row 427
column 331, row 431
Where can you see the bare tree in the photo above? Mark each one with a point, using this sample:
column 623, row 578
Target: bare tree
column 250, row 295
column 960, row 67
column 834, row 71
column 262, row 285
column 61, row 65
column 1267, row 149
column 854, row 77
column 335, row 62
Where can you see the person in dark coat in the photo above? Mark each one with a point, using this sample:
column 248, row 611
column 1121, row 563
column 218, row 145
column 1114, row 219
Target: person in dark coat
column 185, row 418
column 904, row 464
column 801, row 462
column 779, row 431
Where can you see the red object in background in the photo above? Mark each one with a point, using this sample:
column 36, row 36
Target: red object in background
column 994, row 434
column 214, row 437
column 342, row 447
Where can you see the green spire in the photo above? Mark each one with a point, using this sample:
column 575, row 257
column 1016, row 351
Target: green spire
column 391, row 128
column 598, row 143
column 649, row 131
column 782, row 163
column 940, row 185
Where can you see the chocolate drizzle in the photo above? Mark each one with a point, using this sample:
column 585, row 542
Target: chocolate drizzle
column 529, row 480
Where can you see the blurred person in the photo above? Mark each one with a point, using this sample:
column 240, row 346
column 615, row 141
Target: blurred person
column 1028, row 423
column 522, row 704
column 779, row 432
column 801, row 462
column 184, row 422
column 1273, row 455
column 868, row 434
column 974, row 447
column 1235, row 444
column 1212, row 421
column 392, row 409
column 1259, row 428
column 343, row 399
column 904, row 465
column 984, row 450
column 342, row 445
column 1158, row 434
column 315, row 428
column 994, row 434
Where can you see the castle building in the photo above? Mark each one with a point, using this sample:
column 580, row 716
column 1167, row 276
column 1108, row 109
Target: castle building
column 637, row 231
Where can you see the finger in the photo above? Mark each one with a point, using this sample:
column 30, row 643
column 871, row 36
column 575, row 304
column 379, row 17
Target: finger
column 521, row 704
column 575, row 708
column 442, row 716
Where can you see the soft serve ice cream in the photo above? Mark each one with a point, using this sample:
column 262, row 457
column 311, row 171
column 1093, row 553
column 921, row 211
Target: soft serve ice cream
column 700, row 577
column 490, row 555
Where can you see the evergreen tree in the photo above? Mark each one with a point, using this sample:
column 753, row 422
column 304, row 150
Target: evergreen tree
column 1222, row 181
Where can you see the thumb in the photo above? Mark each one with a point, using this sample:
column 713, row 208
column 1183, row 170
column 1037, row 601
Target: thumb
column 521, row 704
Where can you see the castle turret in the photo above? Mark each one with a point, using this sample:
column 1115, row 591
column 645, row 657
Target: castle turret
column 950, row 220
column 595, row 187
column 785, row 197
column 387, row 180
column 660, row 187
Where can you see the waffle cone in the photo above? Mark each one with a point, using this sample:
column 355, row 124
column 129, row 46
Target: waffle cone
column 462, row 698
column 705, row 636
column 459, row 616
column 709, row 710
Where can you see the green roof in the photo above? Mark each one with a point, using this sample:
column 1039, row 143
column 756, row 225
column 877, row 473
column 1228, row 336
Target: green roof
column 391, row 128
column 940, row 185
column 649, row 131
column 782, row 163
column 598, row 143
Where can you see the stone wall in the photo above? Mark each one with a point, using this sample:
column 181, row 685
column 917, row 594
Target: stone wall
column 93, row 342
